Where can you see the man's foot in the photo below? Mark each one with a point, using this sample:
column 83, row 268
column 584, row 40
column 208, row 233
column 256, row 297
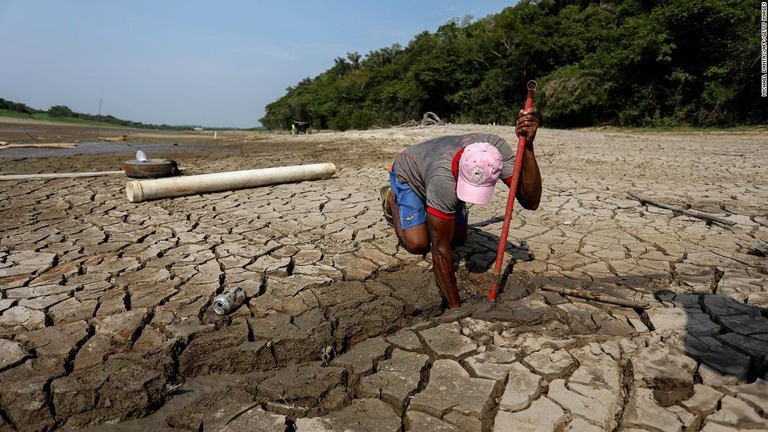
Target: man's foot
column 383, row 195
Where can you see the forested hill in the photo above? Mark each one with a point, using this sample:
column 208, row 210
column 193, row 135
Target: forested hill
column 65, row 114
column 620, row 62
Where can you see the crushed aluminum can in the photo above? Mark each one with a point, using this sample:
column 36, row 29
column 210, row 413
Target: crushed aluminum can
column 229, row 301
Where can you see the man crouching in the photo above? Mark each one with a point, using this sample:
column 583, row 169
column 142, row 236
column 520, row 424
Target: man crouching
column 430, row 183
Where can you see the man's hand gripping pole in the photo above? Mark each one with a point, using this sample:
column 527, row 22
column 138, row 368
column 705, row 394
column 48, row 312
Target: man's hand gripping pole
column 510, row 200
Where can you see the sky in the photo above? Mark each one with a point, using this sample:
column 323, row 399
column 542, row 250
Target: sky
column 206, row 63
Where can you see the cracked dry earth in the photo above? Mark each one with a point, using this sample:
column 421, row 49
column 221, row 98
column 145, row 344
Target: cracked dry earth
column 106, row 320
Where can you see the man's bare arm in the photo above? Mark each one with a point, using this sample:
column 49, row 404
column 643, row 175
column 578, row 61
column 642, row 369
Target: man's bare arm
column 440, row 233
column 529, row 187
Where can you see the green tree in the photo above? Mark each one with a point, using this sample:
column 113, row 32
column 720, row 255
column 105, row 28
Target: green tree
column 354, row 59
column 60, row 111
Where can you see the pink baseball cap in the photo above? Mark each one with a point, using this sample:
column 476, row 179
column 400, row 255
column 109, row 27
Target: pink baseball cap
column 479, row 168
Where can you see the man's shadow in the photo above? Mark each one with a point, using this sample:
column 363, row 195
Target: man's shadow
column 475, row 259
column 729, row 337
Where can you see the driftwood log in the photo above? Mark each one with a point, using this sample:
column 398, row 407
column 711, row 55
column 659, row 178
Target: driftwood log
column 693, row 213
column 428, row 119
column 40, row 145
column 120, row 138
column 605, row 298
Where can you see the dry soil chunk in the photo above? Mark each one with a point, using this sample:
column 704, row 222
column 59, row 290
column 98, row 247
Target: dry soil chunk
column 643, row 411
column 20, row 317
column 495, row 363
column 395, row 379
column 10, row 353
column 451, row 388
column 363, row 356
column 543, row 415
column 363, row 415
column 755, row 394
column 256, row 419
column 446, row 340
column 549, row 361
column 737, row 413
column 417, row 421
column 522, row 387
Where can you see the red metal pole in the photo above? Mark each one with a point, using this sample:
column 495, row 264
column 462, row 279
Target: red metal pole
column 510, row 200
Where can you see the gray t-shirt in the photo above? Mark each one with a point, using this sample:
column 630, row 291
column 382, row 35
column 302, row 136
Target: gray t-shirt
column 427, row 167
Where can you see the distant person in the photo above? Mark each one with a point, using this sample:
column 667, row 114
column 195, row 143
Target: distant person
column 430, row 182
column 293, row 128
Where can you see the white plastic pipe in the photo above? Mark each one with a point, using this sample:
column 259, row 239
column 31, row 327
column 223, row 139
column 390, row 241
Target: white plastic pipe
column 145, row 190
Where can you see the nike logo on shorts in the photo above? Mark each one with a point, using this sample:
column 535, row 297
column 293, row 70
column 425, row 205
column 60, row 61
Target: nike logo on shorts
column 408, row 218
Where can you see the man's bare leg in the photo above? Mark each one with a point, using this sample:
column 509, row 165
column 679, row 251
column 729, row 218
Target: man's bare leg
column 415, row 239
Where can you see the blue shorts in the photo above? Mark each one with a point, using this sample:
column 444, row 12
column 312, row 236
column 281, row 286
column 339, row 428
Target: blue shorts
column 412, row 209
